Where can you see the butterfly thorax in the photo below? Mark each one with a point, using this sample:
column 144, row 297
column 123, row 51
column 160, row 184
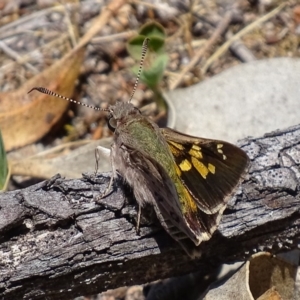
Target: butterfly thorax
column 122, row 110
column 139, row 133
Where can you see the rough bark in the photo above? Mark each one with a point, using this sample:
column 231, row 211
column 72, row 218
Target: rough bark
column 57, row 243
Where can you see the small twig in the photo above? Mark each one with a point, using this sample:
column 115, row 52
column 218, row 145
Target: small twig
column 105, row 14
column 5, row 28
column 17, row 57
column 242, row 32
column 23, row 59
column 113, row 37
column 61, row 147
column 72, row 34
column 159, row 6
column 239, row 49
column 213, row 39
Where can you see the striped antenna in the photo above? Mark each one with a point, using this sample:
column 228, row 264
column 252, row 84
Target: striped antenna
column 144, row 51
column 48, row 92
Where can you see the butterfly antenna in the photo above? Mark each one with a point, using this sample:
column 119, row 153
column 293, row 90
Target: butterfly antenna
column 144, row 51
column 48, row 92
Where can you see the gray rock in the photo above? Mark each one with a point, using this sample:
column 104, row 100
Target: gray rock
column 246, row 100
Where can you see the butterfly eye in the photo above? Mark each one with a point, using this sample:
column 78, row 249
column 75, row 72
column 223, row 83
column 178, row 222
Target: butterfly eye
column 136, row 111
column 112, row 123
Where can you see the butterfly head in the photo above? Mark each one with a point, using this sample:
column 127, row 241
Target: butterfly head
column 120, row 112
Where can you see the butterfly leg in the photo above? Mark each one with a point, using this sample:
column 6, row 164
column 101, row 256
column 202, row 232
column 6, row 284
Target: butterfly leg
column 104, row 152
column 101, row 152
column 138, row 219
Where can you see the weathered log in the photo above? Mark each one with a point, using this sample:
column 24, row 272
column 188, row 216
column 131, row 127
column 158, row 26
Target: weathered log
column 56, row 242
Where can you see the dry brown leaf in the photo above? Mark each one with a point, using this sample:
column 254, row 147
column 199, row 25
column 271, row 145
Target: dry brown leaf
column 42, row 166
column 270, row 294
column 260, row 275
column 25, row 118
column 267, row 271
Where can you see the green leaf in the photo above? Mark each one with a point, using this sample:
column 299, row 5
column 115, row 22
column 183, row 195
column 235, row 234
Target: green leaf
column 134, row 46
column 155, row 61
column 152, row 30
column 153, row 74
column 155, row 45
column 3, row 165
column 155, row 32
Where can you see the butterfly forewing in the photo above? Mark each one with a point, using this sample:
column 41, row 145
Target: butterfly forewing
column 209, row 169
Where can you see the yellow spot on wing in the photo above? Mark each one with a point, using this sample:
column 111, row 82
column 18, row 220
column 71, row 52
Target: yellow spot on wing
column 176, row 145
column 219, row 146
column 174, row 150
column 178, row 171
column 185, row 165
column 196, row 147
column 196, row 152
column 200, row 167
column 188, row 204
column 211, row 168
